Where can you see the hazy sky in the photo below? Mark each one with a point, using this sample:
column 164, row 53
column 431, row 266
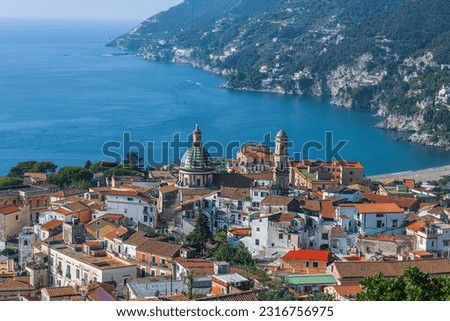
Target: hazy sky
column 84, row 9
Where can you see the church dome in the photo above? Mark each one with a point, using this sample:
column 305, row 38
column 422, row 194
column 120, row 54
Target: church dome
column 196, row 157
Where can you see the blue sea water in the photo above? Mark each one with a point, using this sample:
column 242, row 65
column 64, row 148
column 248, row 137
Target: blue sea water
column 63, row 95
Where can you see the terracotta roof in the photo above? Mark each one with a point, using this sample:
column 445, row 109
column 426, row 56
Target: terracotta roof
column 76, row 206
column 196, row 266
column 118, row 232
column 286, row 217
column 305, row 254
column 168, row 189
column 423, row 254
column 240, row 231
column 327, row 209
column 235, row 192
column 312, row 206
column 10, row 283
column 374, row 208
column 277, row 200
column 135, row 193
column 417, row 226
column 69, row 192
column 360, row 187
column 403, row 202
column 64, row 211
column 112, row 216
column 55, row 292
column 159, row 248
column 348, row 289
column 390, row 268
column 136, row 239
column 51, row 224
column 243, row 296
column 9, row 209
column 100, row 294
column 439, row 210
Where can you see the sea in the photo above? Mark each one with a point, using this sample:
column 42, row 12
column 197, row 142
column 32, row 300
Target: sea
column 67, row 98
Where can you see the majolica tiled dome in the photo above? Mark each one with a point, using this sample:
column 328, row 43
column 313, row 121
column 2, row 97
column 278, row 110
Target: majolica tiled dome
column 196, row 157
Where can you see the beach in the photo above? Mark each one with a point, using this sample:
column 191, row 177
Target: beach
column 423, row 175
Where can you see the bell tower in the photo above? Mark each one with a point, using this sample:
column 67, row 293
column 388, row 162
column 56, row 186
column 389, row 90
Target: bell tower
column 281, row 161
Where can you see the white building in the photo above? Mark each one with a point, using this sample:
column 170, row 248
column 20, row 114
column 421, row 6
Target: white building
column 433, row 237
column 350, row 195
column 69, row 265
column 60, row 214
column 273, row 235
column 379, row 218
column 137, row 206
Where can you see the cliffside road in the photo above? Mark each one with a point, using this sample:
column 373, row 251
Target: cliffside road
column 424, row 175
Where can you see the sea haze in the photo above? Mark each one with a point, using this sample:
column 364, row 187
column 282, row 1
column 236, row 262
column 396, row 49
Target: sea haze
column 63, row 95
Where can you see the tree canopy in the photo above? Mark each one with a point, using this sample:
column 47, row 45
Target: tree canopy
column 413, row 285
column 71, row 176
column 200, row 235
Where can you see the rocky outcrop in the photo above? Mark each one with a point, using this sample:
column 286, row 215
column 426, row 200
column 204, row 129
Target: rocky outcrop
column 401, row 123
column 429, row 140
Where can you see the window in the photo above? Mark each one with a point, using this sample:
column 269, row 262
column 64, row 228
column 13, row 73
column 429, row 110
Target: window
column 38, row 203
column 98, row 223
column 25, row 242
column 77, row 273
column 152, row 273
column 394, row 223
column 255, row 193
column 351, row 172
column 316, row 264
column 130, row 199
column 163, row 261
column 307, row 263
column 153, row 259
column 145, row 218
column 379, row 215
column 257, row 229
column 257, row 242
column 280, row 236
column 125, row 211
column 379, row 224
column 17, row 217
column 447, row 243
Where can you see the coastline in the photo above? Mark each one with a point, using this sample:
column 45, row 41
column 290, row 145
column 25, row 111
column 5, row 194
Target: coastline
column 422, row 175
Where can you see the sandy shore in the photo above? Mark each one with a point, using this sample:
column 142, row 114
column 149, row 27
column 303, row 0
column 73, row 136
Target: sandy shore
column 423, row 175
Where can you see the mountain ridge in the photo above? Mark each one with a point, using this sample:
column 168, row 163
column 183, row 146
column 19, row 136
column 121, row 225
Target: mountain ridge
column 389, row 55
